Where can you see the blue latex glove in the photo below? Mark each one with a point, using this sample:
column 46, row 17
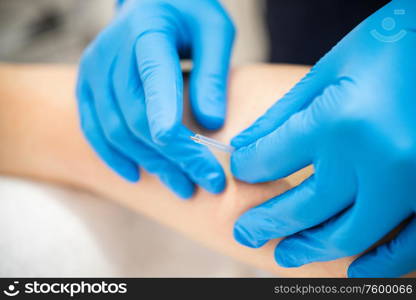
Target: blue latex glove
column 130, row 90
column 354, row 118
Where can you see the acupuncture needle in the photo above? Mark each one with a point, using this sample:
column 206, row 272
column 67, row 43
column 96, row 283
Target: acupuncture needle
column 200, row 139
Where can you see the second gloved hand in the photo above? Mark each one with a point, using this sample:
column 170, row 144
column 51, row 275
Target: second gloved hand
column 354, row 118
column 130, row 90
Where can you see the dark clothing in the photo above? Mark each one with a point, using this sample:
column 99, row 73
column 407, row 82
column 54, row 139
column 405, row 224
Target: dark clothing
column 302, row 31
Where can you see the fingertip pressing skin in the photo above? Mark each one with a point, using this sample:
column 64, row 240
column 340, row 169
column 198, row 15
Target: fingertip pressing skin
column 211, row 122
column 131, row 174
column 163, row 135
column 357, row 272
column 208, row 219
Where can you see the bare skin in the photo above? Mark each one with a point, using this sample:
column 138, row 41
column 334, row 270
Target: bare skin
column 41, row 139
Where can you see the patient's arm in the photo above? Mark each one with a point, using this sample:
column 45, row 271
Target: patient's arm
column 40, row 138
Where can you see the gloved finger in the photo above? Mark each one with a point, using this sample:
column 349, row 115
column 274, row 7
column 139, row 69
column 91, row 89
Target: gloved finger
column 292, row 145
column 120, row 138
column 213, row 41
column 160, row 73
column 195, row 160
column 298, row 98
column 130, row 111
column 278, row 154
column 348, row 234
column 168, row 173
column 307, row 205
column 393, row 259
column 91, row 128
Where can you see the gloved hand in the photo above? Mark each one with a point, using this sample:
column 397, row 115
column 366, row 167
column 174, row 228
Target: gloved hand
column 130, row 90
column 354, row 118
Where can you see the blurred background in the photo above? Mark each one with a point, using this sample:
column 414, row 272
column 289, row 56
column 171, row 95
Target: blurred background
column 58, row 30
column 50, row 231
